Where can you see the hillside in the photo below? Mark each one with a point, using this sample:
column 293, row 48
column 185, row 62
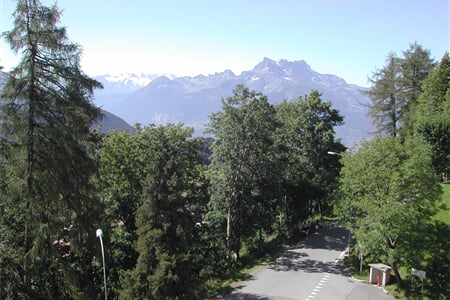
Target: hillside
column 191, row 100
column 107, row 121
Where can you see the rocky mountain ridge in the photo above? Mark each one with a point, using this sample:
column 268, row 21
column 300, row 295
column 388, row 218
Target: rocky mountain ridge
column 190, row 100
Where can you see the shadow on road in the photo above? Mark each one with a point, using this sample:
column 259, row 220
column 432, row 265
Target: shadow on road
column 307, row 265
column 295, row 259
column 335, row 238
column 316, row 254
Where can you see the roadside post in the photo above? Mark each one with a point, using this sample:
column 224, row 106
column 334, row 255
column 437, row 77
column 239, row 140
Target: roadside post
column 421, row 274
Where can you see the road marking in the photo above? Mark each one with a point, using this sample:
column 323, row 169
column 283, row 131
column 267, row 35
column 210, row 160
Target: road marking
column 319, row 285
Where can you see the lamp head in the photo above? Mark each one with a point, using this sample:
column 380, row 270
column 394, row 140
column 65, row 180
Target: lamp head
column 99, row 233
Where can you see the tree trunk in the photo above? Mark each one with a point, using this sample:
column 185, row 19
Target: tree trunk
column 397, row 275
column 229, row 245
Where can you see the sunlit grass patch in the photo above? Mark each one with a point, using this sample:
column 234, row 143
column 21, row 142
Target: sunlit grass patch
column 443, row 205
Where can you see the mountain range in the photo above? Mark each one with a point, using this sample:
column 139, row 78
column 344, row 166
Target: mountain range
column 162, row 99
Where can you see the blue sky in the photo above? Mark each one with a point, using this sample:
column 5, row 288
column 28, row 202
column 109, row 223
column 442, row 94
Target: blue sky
column 348, row 38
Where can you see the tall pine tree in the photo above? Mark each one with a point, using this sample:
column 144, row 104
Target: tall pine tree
column 385, row 96
column 46, row 114
column 396, row 89
column 415, row 67
column 165, row 268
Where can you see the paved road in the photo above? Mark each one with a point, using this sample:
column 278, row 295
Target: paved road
column 309, row 271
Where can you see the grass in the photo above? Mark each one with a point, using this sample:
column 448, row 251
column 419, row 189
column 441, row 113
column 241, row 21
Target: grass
column 352, row 263
column 414, row 293
column 442, row 215
column 217, row 286
column 443, row 205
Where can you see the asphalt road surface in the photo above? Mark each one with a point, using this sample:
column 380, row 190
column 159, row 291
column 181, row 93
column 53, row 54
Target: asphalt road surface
column 311, row 270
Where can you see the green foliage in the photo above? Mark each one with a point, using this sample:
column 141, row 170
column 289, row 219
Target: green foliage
column 385, row 108
column 443, row 214
column 396, row 89
column 48, row 202
column 164, row 225
column 122, row 158
column 388, row 190
column 303, row 139
column 242, row 167
column 431, row 118
column 415, row 67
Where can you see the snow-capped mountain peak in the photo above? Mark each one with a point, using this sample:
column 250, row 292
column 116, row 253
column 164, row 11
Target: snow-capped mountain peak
column 190, row 100
column 140, row 80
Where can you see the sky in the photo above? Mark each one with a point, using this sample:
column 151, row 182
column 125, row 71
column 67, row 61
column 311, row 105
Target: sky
column 347, row 38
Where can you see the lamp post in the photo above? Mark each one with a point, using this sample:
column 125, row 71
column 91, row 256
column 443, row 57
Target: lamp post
column 1, row 261
column 333, row 153
column 99, row 234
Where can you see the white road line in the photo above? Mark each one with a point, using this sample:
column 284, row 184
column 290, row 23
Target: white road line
column 320, row 285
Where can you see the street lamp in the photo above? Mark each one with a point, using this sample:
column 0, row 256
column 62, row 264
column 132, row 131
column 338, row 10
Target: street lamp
column 1, row 262
column 99, row 234
column 333, row 153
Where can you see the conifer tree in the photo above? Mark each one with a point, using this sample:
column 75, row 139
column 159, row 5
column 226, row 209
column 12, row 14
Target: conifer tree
column 46, row 114
column 415, row 67
column 385, row 96
column 164, row 223
column 396, row 89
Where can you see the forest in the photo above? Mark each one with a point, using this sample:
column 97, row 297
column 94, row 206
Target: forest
column 179, row 213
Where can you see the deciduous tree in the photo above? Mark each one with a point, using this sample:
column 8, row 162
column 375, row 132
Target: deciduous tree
column 242, row 168
column 432, row 116
column 388, row 190
column 122, row 157
column 303, row 138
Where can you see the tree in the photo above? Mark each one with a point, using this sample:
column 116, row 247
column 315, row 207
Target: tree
column 395, row 91
column 242, row 169
column 415, row 66
column 384, row 94
column 431, row 119
column 51, row 210
column 388, row 189
column 164, row 223
column 303, row 139
column 122, row 157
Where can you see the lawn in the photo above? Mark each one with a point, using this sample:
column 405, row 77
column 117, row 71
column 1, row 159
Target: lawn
column 443, row 213
column 442, row 216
